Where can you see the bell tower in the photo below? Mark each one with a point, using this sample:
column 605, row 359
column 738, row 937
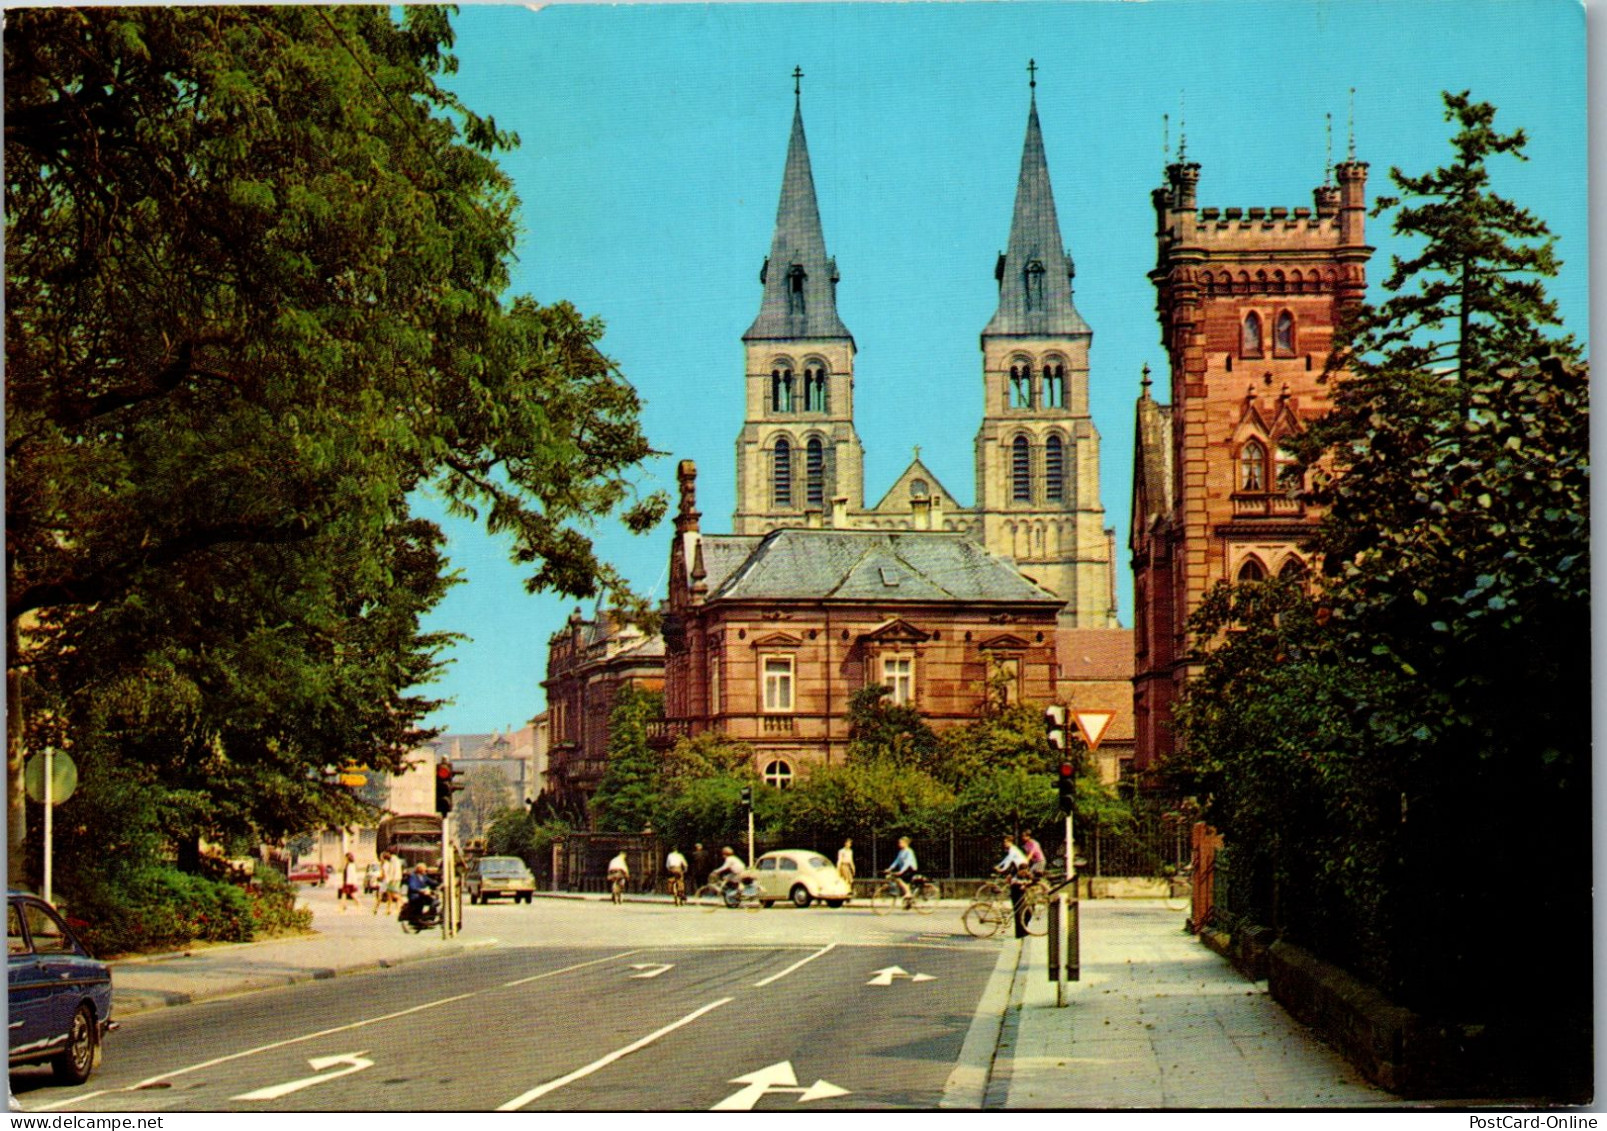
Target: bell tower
column 799, row 459
column 1037, row 451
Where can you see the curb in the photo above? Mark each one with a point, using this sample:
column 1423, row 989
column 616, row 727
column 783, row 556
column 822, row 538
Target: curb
column 130, row 1001
column 967, row 1085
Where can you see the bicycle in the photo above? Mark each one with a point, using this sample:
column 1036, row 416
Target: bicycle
column 616, row 887
column 1179, row 887
column 922, row 898
column 733, row 895
column 677, row 889
column 992, row 907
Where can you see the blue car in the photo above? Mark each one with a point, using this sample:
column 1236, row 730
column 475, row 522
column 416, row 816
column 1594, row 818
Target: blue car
column 60, row 998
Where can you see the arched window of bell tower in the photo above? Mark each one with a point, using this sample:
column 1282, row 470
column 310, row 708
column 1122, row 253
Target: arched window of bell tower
column 1054, row 470
column 817, row 390
column 814, row 472
column 781, row 387
column 1021, row 470
column 781, row 473
column 1054, row 383
column 1020, row 390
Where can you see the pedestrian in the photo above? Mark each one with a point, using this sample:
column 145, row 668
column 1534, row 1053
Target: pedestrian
column 619, row 874
column 350, row 877
column 1014, row 867
column 845, row 862
column 1033, row 851
column 701, row 864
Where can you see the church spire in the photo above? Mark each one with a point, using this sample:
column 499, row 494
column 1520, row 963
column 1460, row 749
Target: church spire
column 1035, row 271
column 800, row 279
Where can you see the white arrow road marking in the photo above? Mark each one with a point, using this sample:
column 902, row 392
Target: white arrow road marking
column 651, row 969
column 885, row 976
column 354, row 1061
column 777, row 1077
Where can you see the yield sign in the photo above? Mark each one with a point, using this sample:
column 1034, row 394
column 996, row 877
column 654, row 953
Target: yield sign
column 1092, row 725
column 885, row 976
column 777, row 1077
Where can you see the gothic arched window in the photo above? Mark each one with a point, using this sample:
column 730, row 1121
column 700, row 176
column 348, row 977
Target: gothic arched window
column 1250, row 346
column 814, row 473
column 781, row 390
column 1251, row 571
column 1020, row 385
column 1021, row 471
column 1054, row 470
column 781, row 474
column 1253, row 467
column 1293, row 568
column 1054, row 385
column 816, row 396
column 1283, row 335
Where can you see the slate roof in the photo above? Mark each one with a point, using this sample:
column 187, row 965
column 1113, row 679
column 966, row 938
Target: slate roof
column 1095, row 653
column 1035, row 238
column 1152, row 465
column 881, row 566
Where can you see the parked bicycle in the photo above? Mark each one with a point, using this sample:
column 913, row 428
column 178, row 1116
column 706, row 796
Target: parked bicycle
column 922, row 898
column 992, row 907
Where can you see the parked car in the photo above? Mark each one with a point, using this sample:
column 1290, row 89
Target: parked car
column 801, row 876
column 493, row 876
column 310, row 873
column 59, row 995
column 371, row 878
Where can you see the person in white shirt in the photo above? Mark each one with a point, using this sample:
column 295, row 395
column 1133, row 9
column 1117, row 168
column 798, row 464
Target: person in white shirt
column 675, row 865
column 618, row 873
column 1019, row 870
column 730, row 868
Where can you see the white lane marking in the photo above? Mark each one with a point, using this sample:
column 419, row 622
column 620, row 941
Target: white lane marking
column 295, row 1040
column 778, row 1077
column 354, row 1025
column 885, row 976
column 795, row 965
column 354, row 1062
column 651, row 969
column 603, row 1062
column 567, row 969
column 73, row 1100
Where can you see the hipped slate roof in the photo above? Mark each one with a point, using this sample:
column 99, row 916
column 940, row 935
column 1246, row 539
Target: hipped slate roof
column 855, row 565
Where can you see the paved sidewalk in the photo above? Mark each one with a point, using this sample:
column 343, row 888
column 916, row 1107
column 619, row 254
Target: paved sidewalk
column 1159, row 1021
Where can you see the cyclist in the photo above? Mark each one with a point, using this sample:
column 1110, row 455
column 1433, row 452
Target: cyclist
column 618, row 873
column 902, row 870
column 1033, row 851
column 675, row 865
column 1019, row 870
column 729, row 873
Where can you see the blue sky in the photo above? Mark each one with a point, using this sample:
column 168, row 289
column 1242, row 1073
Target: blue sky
column 653, row 138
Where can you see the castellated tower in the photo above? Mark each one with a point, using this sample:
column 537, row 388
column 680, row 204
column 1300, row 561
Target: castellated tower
column 1037, row 451
column 1248, row 301
column 799, row 458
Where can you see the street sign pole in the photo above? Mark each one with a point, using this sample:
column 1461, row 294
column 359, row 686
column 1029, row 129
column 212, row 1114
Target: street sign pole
column 50, row 808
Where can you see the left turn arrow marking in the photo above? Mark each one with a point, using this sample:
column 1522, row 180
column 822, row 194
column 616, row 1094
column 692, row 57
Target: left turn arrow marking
column 354, row 1062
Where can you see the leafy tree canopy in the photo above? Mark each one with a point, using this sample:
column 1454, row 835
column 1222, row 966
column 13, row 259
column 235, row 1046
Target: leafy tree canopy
column 255, row 271
column 627, row 798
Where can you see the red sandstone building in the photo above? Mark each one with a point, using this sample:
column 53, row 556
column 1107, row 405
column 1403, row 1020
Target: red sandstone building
column 1248, row 302
column 587, row 664
column 767, row 636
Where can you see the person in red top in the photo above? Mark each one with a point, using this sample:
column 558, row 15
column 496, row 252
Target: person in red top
column 1034, row 854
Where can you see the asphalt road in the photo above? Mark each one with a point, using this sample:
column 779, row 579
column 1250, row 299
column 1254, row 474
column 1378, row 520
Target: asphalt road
column 778, row 1010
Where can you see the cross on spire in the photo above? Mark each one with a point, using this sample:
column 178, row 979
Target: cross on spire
column 1350, row 154
column 1032, row 73
column 797, row 73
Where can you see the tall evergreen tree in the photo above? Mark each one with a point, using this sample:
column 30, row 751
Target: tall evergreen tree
column 627, row 799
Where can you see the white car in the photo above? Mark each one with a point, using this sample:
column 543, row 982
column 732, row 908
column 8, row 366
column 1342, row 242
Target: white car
column 801, row 876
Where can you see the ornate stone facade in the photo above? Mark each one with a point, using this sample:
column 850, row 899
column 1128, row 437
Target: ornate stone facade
column 1248, row 301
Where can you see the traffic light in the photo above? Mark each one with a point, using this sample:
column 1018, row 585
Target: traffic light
column 747, row 797
column 1067, row 784
column 446, row 785
column 1054, row 726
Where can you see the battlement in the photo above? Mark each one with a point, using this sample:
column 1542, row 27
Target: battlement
column 1270, row 225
